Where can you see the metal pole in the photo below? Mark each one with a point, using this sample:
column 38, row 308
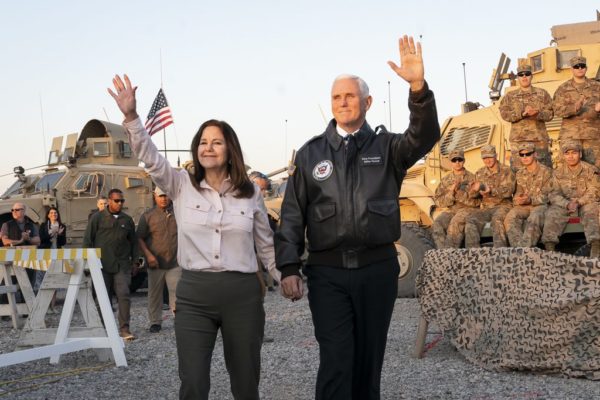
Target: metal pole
column 285, row 144
column 465, row 80
column 390, row 103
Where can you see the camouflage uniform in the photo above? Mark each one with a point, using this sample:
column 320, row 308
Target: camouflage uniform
column 537, row 185
column 493, row 207
column 582, row 125
column 528, row 129
column 583, row 185
column 448, row 227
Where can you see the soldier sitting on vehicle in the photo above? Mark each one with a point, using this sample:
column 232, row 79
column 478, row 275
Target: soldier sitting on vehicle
column 527, row 109
column 494, row 185
column 453, row 194
column 524, row 222
column 575, row 186
column 577, row 102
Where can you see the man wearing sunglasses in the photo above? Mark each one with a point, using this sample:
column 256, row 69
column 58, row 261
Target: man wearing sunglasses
column 113, row 232
column 575, row 186
column 524, row 222
column 527, row 109
column 577, row 102
column 494, row 185
column 21, row 231
column 452, row 195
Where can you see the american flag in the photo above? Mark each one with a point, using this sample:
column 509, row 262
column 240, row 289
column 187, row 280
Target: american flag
column 159, row 116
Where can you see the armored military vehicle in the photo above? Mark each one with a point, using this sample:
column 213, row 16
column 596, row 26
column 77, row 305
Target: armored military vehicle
column 478, row 126
column 88, row 166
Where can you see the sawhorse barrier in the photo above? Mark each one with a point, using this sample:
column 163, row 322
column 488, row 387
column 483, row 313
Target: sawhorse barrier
column 64, row 339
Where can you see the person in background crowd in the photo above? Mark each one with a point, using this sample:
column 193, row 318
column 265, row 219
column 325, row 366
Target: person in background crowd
column 494, row 185
column 527, row 109
column 100, row 205
column 525, row 221
column 157, row 236
column 264, row 184
column 452, row 194
column 577, row 102
column 53, row 235
column 113, row 232
column 343, row 196
column 575, row 187
column 21, row 231
column 221, row 220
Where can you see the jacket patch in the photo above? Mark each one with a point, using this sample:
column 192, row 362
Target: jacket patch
column 322, row 170
column 367, row 161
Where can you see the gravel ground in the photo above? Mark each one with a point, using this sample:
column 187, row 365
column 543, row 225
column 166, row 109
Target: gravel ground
column 289, row 365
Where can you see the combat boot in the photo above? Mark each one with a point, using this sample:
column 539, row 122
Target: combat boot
column 549, row 246
column 595, row 249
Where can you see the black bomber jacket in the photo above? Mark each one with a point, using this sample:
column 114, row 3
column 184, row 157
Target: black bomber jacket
column 350, row 203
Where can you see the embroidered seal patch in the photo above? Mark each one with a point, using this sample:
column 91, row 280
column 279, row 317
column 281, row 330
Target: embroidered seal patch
column 323, row 170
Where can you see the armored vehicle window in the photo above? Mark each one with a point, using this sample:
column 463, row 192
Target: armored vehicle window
column 537, row 63
column 15, row 188
column 53, row 158
column 564, row 56
column 131, row 182
column 464, row 138
column 124, row 149
column 101, row 149
column 48, row 181
column 88, row 184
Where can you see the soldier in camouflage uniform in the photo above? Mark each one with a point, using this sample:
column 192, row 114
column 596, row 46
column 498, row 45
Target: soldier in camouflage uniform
column 575, row 186
column 453, row 194
column 577, row 102
column 530, row 201
column 527, row 109
column 494, row 185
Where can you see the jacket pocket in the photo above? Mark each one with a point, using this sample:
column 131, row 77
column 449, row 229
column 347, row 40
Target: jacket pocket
column 384, row 222
column 321, row 228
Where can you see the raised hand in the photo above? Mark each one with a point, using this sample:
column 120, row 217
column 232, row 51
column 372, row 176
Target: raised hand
column 125, row 97
column 411, row 63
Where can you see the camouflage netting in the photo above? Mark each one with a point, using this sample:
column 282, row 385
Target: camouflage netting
column 515, row 308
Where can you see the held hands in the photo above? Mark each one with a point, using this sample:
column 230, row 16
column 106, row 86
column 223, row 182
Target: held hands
column 530, row 112
column 522, row 200
column 125, row 97
column 152, row 262
column 411, row 63
column 292, row 287
column 573, row 206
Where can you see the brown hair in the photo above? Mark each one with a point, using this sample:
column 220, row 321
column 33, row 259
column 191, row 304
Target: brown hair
column 235, row 166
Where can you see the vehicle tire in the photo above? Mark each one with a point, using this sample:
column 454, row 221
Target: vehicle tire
column 583, row 251
column 414, row 242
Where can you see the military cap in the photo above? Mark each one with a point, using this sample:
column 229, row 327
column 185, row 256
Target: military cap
column 456, row 153
column 524, row 68
column 489, row 150
column 577, row 60
column 159, row 192
column 526, row 147
column 570, row 145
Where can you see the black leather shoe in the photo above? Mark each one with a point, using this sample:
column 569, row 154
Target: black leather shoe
column 155, row 328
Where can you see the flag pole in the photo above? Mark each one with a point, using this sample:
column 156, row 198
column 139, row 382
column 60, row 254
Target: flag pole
column 161, row 86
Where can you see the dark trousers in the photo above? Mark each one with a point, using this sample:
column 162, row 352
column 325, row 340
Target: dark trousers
column 119, row 284
column 207, row 302
column 351, row 311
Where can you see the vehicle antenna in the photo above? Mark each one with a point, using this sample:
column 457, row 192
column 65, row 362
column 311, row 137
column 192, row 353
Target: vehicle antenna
column 385, row 121
column 390, row 103
column 106, row 114
column 465, row 80
column 43, row 129
column 285, row 143
column 161, row 86
column 322, row 114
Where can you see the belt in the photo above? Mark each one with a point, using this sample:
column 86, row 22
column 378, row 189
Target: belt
column 352, row 259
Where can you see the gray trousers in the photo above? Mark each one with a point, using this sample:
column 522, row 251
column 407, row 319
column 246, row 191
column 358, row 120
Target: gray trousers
column 207, row 302
column 119, row 283
column 156, row 283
